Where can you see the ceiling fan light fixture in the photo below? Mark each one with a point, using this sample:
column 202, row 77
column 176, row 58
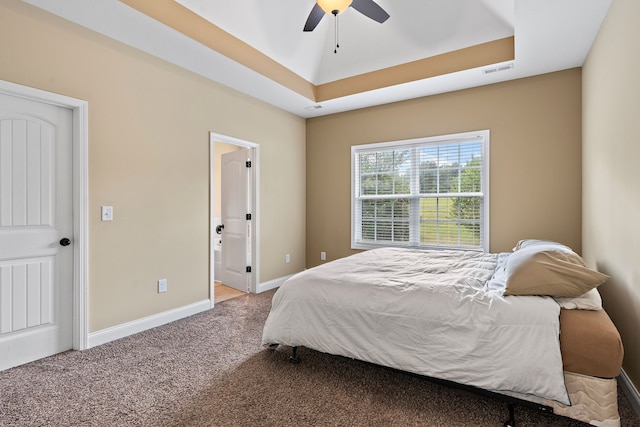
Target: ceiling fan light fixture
column 330, row 5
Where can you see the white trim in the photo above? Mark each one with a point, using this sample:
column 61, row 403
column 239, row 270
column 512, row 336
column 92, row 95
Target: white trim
column 630, row 391
column 81, row 226
column 255, row 223
column 80, row 191
column 272, row 284
column 136, row 326
column 212, row 225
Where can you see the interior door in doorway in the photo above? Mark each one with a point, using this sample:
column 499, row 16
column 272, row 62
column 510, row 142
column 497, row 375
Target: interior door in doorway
column 235, row 207
column 36, row 226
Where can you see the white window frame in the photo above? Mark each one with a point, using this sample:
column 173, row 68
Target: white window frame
column 482, row 135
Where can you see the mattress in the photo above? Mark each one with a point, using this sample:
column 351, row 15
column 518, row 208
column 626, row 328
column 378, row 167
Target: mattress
column 593, row 400
column 592, row 357
column 590, row 343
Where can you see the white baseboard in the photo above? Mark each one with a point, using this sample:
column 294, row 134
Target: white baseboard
column 272, row 284
column 630, row 391
column 124, row 330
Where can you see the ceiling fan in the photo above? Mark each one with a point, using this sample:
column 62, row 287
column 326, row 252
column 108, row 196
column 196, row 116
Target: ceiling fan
column 368, row 8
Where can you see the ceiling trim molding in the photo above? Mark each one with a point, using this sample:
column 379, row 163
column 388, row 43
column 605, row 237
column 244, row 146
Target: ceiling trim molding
column 459, row 60
column 549, row 36
column 192, row 25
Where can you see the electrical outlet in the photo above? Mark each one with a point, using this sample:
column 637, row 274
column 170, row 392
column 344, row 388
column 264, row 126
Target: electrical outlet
column 323, row 256
column 287, row 258
column 162, row 286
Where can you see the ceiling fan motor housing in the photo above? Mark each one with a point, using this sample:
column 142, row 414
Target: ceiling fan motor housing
column 334, row 7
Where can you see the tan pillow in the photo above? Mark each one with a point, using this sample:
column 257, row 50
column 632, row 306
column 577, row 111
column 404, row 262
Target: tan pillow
column 532, row 242
column 549, row 270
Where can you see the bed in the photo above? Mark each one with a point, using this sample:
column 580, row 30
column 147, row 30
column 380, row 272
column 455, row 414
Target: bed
column 526, row 325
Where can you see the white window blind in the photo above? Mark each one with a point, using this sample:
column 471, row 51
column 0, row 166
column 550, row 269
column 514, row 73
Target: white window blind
column 429, row 192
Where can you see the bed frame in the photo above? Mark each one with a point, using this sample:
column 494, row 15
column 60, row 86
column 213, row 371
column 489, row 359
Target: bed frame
column 511, row 402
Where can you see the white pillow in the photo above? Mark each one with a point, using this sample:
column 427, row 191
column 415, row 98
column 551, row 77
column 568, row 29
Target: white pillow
column 588, row 301
column 499, row 279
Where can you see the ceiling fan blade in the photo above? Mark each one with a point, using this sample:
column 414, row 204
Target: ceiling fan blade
column 314, row 18
column 370, row 9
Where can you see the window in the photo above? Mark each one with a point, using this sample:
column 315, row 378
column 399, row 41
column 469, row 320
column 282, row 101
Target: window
column 427, row 193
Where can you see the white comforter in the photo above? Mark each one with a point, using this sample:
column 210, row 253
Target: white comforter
column 427, row 312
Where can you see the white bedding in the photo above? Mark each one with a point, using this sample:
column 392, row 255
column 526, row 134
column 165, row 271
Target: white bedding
column 426, row 312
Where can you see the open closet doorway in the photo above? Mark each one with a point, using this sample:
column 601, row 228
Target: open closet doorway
column 233, row 216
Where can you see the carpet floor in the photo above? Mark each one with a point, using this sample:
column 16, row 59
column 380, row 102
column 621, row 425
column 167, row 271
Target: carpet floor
column 210, row 370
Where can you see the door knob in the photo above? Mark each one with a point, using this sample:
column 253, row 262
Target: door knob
column 65, row 242
column 219, row 228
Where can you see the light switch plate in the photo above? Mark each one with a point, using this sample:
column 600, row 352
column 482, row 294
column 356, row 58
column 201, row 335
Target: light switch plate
column 107, row 213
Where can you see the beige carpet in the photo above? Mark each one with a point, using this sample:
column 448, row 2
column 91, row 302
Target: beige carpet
column 210, row 370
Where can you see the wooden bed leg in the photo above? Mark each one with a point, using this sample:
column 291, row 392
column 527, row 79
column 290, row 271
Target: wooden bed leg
column 294, row 357
column 511, row 422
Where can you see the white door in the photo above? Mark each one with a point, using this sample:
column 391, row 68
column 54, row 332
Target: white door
column 36, row 264
column 234, row 210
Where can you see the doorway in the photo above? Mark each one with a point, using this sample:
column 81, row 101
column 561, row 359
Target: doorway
column 233, row 215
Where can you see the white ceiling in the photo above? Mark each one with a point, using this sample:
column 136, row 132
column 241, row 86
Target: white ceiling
column 550, row 35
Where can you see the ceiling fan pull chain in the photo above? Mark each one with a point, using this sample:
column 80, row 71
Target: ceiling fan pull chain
column 336, row 34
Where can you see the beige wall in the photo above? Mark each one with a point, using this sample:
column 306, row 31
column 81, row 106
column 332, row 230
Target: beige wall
column 535, row 157
column 611, row 171
column 149, row 125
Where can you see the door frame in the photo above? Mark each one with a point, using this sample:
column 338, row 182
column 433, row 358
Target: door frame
column 80, row 195
column 254, row 185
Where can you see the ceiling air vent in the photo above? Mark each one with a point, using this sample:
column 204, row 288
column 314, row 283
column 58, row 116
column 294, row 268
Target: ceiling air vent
column 313, row 107
column 498, row 68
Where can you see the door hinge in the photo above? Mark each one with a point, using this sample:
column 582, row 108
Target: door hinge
column 248, row 217
column 248, row 163
column 248, row 269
